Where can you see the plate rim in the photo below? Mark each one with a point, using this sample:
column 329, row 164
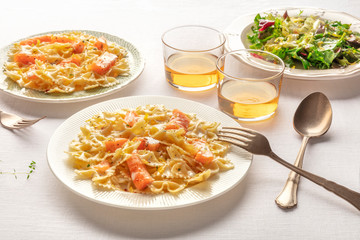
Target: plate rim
column 111, row 89
column 296, row 76
column 124, row 100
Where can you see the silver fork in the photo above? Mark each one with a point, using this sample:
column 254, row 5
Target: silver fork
column 257, row 143
column 12, row 121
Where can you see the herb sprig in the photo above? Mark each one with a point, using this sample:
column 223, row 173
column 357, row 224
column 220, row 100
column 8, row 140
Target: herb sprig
column 32, row 167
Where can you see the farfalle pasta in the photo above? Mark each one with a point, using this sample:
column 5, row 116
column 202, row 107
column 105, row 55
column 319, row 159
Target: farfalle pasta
column 150, row 149
column 66, row 62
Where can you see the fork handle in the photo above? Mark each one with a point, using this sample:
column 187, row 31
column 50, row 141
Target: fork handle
column 349, row 195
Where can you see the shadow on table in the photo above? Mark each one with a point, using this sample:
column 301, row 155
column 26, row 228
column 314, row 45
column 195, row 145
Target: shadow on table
column 334, row 89
column 155, row 224
column 66, row 109
column 56, row 110
column 51, row 110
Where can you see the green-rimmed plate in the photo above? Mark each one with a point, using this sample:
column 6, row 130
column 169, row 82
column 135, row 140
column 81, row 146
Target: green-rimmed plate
column 136, row 63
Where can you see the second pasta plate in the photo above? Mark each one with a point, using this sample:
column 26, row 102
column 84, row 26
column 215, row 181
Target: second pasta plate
column 134, row 57
column 213, row 187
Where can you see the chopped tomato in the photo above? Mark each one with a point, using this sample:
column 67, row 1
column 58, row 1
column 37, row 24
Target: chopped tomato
column 111, row 146
column 101, row 44
column 131, row 118
column 178, row 120
column 139, row 175
column 148, row 143
column 203, row 155
column 33, row 41
column 78, row 46
column 102, row 167
column 76, row 59
column 27, row 59
column 103, row 63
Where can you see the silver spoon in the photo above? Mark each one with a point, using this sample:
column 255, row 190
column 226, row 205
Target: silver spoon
column 312, row 119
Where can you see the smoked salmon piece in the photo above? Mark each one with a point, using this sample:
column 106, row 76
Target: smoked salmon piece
column 103, row 63
column 78, row 47
column 76, row 59
column 102, row 167
column 35, row 40
column 131, row 118
column 27, row 59
column 46, row 38
column 101, row 44
column 178, row 120
column 139, row 175
column 203, row 155
column 31, row 73
column 148, row 143
column 111, row 146
column 61, row 39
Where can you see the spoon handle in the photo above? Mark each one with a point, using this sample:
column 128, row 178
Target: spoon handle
column 345, row 193
column 288, row 196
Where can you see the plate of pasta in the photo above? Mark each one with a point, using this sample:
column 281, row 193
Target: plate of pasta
column 68, row 66
column 146, row 152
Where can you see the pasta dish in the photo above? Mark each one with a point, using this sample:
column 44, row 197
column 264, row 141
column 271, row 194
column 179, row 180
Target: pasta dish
column 66, row 62
column 150, row 149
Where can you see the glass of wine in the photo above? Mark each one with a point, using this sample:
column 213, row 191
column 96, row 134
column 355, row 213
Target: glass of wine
column 250, row 83
column 190, row 54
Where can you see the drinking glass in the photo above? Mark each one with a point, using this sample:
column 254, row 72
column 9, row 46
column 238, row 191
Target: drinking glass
column 190, row 54
column 250, row 84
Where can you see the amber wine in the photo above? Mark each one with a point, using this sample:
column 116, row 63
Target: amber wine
column 192, row 70
column 248, row 100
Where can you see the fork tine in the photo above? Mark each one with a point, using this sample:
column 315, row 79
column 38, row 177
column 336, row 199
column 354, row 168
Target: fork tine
column 29, row 122
column 18, row 126
column 234, row 143
column 32, row 120
column 241, row 134
column 240, row 143
column 247, row 130
column 26, row 123
column 22, row 124
column 12, row 121
column 244, row 142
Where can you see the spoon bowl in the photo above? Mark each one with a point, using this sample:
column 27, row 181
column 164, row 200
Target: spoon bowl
column 312, row 118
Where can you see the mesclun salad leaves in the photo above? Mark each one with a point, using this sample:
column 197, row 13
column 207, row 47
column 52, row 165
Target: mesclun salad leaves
column 311, row 41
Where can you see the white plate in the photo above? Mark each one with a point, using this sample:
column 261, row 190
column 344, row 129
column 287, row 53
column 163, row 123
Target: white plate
column 135, row 58
column 236, row 38
column 215, row 186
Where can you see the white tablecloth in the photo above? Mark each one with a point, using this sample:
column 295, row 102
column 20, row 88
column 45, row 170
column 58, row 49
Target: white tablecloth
column 43, row 208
